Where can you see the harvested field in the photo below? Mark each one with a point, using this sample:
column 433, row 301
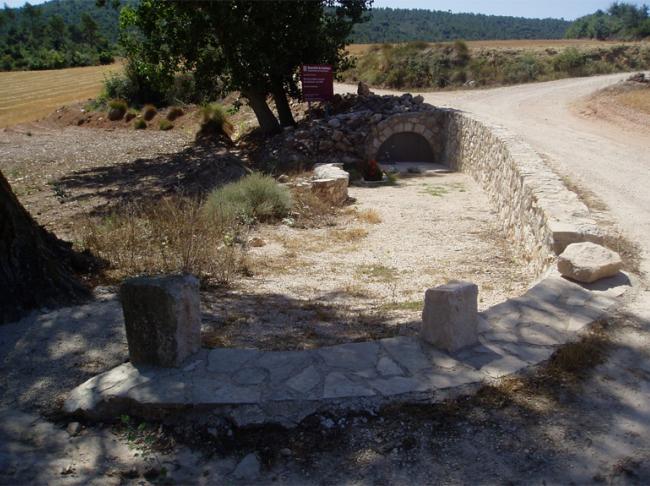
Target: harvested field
column 29, row 95
column 517, row 44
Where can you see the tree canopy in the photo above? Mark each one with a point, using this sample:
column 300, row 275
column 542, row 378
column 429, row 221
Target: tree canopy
column 622, row 21
column 243, row 45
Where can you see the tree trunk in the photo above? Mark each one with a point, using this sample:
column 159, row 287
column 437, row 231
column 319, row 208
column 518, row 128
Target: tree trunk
column 282, row 105
column 35, row 266
column 265, row 117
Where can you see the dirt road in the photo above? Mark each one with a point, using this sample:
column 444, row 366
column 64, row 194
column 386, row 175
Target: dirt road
column 612, row 161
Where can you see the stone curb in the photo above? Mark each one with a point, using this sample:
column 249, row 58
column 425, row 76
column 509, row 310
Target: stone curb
column 260, row 387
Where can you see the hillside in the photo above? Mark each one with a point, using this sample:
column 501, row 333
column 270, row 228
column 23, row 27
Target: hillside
column 405, row 25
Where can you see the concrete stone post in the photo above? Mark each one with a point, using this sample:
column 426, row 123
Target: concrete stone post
column 162, row 318
column 450, row 316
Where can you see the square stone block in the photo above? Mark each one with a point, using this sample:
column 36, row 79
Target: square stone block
column 162, row 317
column 450, row 316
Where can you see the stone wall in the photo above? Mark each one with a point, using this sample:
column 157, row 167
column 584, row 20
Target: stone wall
column 429, row 124
column 536, row 210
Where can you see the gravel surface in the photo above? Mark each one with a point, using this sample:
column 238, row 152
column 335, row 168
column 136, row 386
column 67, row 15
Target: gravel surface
column 358, row 280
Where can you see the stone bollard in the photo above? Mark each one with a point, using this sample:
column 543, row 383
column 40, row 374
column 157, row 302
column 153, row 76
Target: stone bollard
column 162, row 318
column 450, row 316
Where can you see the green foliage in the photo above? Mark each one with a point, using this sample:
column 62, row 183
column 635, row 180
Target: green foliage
column 165, row 125
column 56, row 35
column 405, row 25
column 139, row 124
column 445, row 65
column 117, row 109
column 254, row 198
column 622, row 21
column 254, row 47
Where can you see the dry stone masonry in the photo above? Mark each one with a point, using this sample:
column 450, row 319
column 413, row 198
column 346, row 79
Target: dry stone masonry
column 458, row 350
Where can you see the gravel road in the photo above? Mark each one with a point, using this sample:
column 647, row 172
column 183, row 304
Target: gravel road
column 613, row 161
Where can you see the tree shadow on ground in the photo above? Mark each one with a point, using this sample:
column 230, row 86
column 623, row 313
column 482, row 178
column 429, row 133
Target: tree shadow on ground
column 192, row 172
column 275, row 321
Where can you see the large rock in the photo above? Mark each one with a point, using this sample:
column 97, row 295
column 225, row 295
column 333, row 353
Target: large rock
column 163, row 319
column 450, row 316
column 330, row 183
column 587, row 262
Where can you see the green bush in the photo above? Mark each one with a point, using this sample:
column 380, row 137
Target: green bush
column 570, row 61
column 254, row 198
column 214, row 121
column 165, row 125
column 139, row 124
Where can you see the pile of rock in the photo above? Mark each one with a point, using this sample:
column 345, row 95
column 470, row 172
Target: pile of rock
column 340, row 137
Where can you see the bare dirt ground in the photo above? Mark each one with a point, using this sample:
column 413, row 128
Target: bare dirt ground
column 365, row 276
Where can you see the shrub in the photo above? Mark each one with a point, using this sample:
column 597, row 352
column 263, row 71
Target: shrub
column 130, row 115
column 139, row 124
column 117, row 109
column 214, row 121
column 165, row 125
column 168, row 236
column 175, row 112
column 254, row 198
column 148, row 112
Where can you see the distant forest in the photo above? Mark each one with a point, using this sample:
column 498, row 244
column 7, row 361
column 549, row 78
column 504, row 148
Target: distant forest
column 405, row 25
column 57, row 34
column 622, row 21
column 65, row 33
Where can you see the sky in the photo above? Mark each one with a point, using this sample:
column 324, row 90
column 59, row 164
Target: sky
column 567, row 9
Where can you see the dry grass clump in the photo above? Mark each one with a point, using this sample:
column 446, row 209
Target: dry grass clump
column 214, row 121
column 638, row 99
column 349, row 235
column 310, row 211
column 369, row 216
column 170, row 236
column 174, row 113
column 117, row 109
column 139, row 124
column 149, row 112
column 165, row 125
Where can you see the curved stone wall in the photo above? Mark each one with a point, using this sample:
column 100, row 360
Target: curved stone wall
column 537, row 212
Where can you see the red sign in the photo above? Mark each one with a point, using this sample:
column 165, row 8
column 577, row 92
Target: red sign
column 317, row 82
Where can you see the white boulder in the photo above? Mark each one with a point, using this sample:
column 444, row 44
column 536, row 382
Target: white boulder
column 588, row 262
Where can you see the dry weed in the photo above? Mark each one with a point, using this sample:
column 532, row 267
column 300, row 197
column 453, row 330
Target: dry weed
column 369, row 216
column 169, row 236
column 349, row 235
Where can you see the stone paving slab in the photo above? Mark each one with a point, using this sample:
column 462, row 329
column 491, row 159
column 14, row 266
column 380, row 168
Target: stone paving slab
column 252, row 386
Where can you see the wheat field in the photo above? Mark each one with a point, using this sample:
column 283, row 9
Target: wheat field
column 29, row 95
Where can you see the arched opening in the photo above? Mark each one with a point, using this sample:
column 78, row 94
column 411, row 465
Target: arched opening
column 405, row 147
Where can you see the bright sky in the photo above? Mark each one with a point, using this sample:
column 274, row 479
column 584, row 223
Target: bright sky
column 568, row 9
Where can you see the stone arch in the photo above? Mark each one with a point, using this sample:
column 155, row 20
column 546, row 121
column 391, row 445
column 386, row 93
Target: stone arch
column 425, row 126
